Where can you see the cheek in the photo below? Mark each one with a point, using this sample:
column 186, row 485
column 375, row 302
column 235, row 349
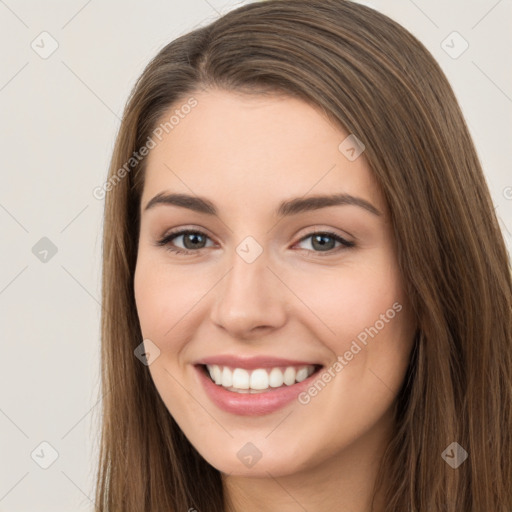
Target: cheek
column 349, row 300
column 363, row 319
column 167, row 300
column 154, row 300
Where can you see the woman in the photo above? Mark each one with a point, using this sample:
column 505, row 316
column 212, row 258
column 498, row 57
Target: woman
column 307, row 296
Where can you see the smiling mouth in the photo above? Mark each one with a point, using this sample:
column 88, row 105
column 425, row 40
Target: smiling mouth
column 259, row 380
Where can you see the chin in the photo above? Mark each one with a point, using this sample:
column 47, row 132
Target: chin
column 249, row 461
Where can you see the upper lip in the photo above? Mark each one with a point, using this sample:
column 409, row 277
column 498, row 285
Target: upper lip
column 251, row 363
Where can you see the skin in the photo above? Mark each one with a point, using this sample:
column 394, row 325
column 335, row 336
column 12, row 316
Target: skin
column 246, row 154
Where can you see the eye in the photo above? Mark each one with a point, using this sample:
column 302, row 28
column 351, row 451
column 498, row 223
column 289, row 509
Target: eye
column 325, row 241
column 193, row 240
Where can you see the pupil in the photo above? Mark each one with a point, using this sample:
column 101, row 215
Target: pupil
column 321, row 240
column 191, row 237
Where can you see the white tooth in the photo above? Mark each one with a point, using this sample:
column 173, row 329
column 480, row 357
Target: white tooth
column 210, row 371
column 276, row 378
column 227, row 377
column 289, row 376
column 217, row 374
column 302, row 374
column 259, row 379
column 240, row 378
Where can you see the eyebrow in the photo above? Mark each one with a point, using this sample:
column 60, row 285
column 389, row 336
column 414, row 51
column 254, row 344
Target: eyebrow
column 286, row 208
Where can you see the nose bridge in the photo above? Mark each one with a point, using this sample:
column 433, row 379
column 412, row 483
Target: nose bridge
column 250, row 295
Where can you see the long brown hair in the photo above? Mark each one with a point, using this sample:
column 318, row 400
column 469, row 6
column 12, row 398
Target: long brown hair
column 375, row 80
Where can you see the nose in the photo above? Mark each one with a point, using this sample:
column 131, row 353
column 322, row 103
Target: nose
column 250, row 300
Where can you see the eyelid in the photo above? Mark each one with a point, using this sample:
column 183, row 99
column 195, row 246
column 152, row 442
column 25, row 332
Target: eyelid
column 319, row 228
column 186, row 229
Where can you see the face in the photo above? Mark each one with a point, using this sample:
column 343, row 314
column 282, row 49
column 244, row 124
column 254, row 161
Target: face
column 295, row 306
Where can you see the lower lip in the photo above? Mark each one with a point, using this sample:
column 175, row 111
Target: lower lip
column 252, row 404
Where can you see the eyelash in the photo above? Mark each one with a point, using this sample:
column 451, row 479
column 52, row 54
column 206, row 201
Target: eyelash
column 165, row 242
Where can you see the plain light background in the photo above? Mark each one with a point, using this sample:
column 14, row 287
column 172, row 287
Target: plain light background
column 59, row 117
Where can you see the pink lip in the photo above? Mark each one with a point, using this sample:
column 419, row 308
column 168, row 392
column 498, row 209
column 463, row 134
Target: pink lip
column 256, row 404
column 251, row 363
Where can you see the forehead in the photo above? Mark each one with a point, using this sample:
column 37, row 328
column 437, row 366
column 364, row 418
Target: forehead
column 254, row 150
